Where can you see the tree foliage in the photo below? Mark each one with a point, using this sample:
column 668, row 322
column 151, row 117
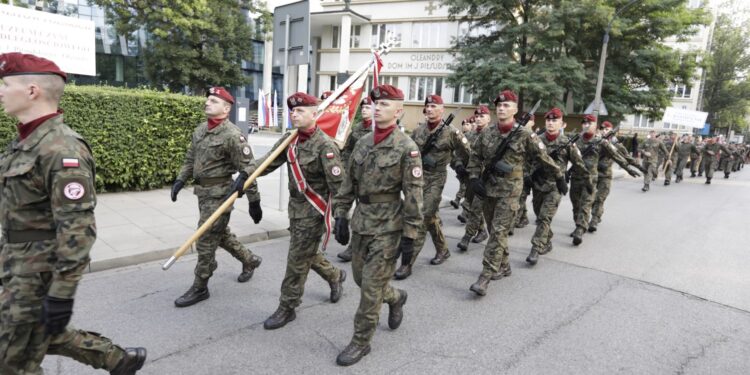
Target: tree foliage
column 727, row 93
column 193, row 43
column 549, row 50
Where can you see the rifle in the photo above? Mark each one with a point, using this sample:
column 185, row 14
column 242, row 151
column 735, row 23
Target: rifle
column 428, row 162
column 669, row 157
column 591, row 149
column 537, row 174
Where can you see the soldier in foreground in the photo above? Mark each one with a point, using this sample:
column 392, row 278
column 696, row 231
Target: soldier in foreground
column 316, row 172
column 357, row 133
column 47, row 209
column 217, row 150
column 437, row 141
column 685, row 150
column 384, row 164
column 496, row 176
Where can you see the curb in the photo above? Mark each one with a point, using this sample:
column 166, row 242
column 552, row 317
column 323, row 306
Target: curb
column 164, row 254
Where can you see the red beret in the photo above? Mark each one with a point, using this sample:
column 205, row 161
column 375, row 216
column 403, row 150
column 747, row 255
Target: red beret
column 589, row 118
column 300, row 99
column 386, row 92
column 433, row 99
column 553, row 113
column 16, row 63
column 222, row 93
column 325, row 95
column 482, row 110
column 607, row 124
column 506, row 96
column 366, row 101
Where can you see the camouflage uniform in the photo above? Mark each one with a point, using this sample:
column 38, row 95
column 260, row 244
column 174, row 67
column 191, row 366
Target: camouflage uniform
column 47, row 209
column 670, row 168
column 696, row 165
column 213, row 156
column 501, row 204
column 357, row 133
column 727, row 160
column 319, row 160
column 684, row 151
column 649, row 154
column 522, row 218
column 379, row 174
column 614, row 151
column 546, row 198
column 473, row 209
column 450, row 140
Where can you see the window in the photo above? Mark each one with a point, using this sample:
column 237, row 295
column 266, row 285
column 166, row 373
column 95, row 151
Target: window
column 681, row 91
column 642, row 121
column 335, row 37
column 382, row 80
column 384, row 31
column 354, row 39
column 420, row 87
column 695, row 4
column 332, row 85
column 461, row 95
column 464, row 30
column 430, row 35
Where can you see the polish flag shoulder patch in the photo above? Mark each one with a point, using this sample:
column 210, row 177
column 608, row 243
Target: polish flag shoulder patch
column 414, row 154
column 330, row 155
column 70, row 163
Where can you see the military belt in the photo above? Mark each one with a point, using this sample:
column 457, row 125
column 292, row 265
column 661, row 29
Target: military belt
column 20, row 236
column 379, row 198
column 211, row 181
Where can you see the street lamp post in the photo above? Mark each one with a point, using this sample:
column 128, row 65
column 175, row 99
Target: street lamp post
column 603, row 59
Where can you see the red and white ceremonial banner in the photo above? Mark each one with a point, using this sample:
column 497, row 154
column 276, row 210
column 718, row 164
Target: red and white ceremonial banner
column 337, row 117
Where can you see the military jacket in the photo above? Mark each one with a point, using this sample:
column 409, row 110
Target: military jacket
column 727, row 152
column 609, row 153
column 686, row 149
column 47, row 186
column 389, row 168
column 563, row 154
column 450, row 141
column 320, row 162
column 523, row 145
column 651, row 148
column 697, row 151
column 357, row 132
column 711, row 151
column 216, row 154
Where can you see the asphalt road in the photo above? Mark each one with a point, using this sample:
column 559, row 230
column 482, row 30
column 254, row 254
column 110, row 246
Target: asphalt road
column 662, row 288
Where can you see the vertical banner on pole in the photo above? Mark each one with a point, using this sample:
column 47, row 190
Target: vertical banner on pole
column 261, row 109
column 275, row 108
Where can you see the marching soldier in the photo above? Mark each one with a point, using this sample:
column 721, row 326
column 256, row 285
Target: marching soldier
column 437, row 141
column 217, row 150
column 48, row 227
column 662, row 152
column 314, row 164
column 649, row 155
column 504, row 175
column 475, row 228
column 357, row 133
column 522, row 218
column 384, row 164
column 710, row 156
column 671, row 146
column 612, row 153
column 467, row 128
column 727, row 158
column 685, row 150
column 546, row 197
column 695, row 157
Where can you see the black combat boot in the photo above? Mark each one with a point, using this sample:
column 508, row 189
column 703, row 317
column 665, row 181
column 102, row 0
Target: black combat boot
column 592, row 225
column 481, row 236
column 396, row 310
column 533, row 257
column 403, row 272
column 504, row 271
column 464, row 244
column 692, row 174
column 726, row 175
column 455, row 203
column 352, row 354
column 440, row 257
column 480, row 287
column 461, row 218
column 578, row 236
column 198, row 292
column 131, row 363
column 249, row 269
column 666, row 182
column 708, row 180
column 522, row 222
column 279, row 318
column 337, row 287
column 645, row 187
column 346, row 255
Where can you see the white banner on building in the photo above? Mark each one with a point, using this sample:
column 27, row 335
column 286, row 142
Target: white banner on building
column 685, row 117
column 68, row 41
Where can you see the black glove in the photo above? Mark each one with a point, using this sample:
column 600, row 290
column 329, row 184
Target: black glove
column 632, row 172
column 342, row 230
column 527, row 183
column 478, row 188
column 461, row 172
column 238, row 185
column 406, row 248
column 256, row 213
column 178, row 185
column 56, row 313
column 642, row 169
column 562, row 186
column 567, row 175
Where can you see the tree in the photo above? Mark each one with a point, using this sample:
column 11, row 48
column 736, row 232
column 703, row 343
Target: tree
column 727, row 89
column 193, row 43
column 549, row 49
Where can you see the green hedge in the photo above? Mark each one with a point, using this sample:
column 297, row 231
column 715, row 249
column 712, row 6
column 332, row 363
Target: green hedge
column 139, row 137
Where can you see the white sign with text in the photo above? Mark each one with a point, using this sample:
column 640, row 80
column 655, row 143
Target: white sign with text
column 396, row 62
column 68, row 41
column 685, row 117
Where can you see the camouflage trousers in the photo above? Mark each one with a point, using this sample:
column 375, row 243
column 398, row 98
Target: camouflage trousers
column 670, row 168
column 218, row 235
column 500, row 214
column 461, row 190
column 474, row 216
column 696, row 165
column 522, row 212
column 726, row 165
column 603, row 186
column 651, row 169
column 433, row 195
column 582, row 202
column 304, row 253
column 681, row 163
column 545, row 205
column 373, row 265
column 709, row 165
column 23, row 343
